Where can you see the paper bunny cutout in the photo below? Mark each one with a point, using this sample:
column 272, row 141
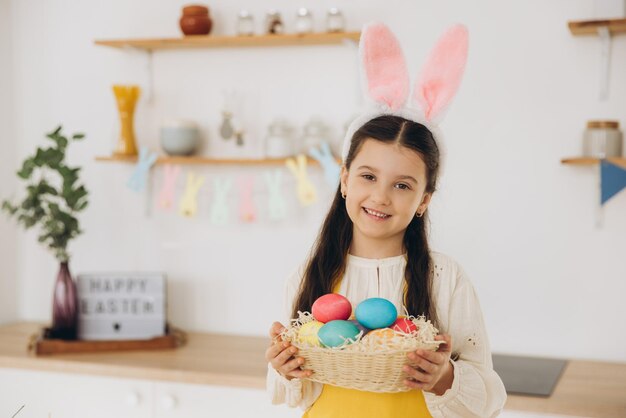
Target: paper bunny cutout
column 189, row 204
column 166, row 195
column 139, row 178
column 220, row 211
column 386, row 79
column 247, row 212
column 325, row 157
column 276, row 202
column 306, row 191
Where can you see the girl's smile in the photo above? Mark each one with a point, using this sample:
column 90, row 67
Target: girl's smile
column 376, row 215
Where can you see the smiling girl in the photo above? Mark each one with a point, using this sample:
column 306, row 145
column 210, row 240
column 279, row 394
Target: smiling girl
column 373, row 243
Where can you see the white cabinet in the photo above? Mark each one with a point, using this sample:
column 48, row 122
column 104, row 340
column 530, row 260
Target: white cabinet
column 45, row 394
column 178, row 400
column 64, row 395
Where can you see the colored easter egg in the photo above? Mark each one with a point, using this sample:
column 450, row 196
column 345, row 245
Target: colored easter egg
column 374, row 313
column 331, row 307
column 404, row 325
column 334, row 333
column 308, row 333
column 380, row 335
column 359, row 326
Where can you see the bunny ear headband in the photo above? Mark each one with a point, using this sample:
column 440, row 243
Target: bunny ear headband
column 387, row 79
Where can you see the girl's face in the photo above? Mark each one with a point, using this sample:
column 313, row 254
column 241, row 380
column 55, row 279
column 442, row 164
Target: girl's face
column 384, row 189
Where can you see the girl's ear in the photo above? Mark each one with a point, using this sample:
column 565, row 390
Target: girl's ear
column 384, row 67
column 441, row 76
column 424, row 205
column 344, row 180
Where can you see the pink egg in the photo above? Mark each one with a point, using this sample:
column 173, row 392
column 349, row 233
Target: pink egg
column 331, row 307
column 404, row 325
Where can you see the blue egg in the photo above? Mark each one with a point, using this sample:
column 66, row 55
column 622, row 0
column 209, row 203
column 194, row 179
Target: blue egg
column 374, row 313
column 334, row 333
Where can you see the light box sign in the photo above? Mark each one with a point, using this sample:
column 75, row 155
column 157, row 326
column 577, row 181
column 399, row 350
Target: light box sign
column 121, row 306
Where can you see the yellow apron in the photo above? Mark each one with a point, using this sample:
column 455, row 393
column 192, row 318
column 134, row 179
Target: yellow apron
column 338, row 402
column 335, row 402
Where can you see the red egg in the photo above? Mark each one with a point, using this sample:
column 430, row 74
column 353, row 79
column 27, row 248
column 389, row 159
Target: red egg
column 331, row 307
column 404, row 325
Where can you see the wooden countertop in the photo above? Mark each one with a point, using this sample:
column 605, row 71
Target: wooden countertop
column 587, row 388
column 213, row 359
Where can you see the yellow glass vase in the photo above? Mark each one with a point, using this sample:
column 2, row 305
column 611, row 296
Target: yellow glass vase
column 126, row 97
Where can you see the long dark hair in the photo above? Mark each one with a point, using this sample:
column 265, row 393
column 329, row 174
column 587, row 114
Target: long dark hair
column 327, row 263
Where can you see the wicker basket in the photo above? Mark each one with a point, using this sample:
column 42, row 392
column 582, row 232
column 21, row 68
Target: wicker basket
column 362, row 364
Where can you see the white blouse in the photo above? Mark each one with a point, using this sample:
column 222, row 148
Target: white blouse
column 477, row 391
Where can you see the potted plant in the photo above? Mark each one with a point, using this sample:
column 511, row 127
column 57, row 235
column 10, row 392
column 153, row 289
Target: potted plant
column 54, row 197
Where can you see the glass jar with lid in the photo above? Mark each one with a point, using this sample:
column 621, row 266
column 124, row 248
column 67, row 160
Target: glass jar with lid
column 279, row 142
column 314, row 133
column 335, row 22
column 304, row 21
column 245, row 23
column 602, row 139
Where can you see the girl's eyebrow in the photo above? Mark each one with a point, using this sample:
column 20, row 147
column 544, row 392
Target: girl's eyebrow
column 402, row 177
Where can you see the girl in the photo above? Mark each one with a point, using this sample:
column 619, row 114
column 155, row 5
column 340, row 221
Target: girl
column 373, row 243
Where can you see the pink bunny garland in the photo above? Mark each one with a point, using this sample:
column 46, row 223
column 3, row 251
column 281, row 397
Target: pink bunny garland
column 386, row 79
column 221, row 211
column 166, row 196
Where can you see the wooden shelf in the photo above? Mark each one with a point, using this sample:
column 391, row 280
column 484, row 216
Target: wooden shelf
column 593, row 161
column 209, row 41
column 206, row 160
column 590, row 27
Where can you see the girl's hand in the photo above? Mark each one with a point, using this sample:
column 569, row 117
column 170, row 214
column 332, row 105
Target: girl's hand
column 431, row 371
column 281, row 355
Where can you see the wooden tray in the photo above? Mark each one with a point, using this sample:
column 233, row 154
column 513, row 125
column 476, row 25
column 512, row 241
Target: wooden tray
column 40, row 344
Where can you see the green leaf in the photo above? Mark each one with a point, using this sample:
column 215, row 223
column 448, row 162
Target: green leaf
column 62, row 142
column 27, row 221
column 70, row 175
column 7, row 206
column 46, row 188
column 78, row 136
column 27, row 169
column 72, row 196
column 55, row 132
column 81, row 205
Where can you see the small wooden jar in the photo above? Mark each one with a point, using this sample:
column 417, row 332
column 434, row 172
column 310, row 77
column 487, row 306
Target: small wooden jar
column 196, row 20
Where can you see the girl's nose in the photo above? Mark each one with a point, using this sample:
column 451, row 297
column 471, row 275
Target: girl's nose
column 380, row 196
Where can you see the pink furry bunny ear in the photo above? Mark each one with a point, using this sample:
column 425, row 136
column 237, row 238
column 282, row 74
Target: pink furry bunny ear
column 441, row 75
column 384, row 65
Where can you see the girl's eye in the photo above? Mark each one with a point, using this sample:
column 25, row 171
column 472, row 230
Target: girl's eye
column 367, row 176
column 403, row 186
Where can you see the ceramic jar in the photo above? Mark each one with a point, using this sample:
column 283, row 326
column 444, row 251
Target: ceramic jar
column 179, row 137
column 273, row 23
column 196, row 20
column 602, row 139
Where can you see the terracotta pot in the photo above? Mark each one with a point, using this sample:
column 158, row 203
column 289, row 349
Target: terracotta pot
column 195, row 20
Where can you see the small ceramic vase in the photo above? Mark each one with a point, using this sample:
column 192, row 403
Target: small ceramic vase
column 195, row 20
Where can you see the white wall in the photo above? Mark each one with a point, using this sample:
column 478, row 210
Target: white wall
column 520, row 223
column 8, row 235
